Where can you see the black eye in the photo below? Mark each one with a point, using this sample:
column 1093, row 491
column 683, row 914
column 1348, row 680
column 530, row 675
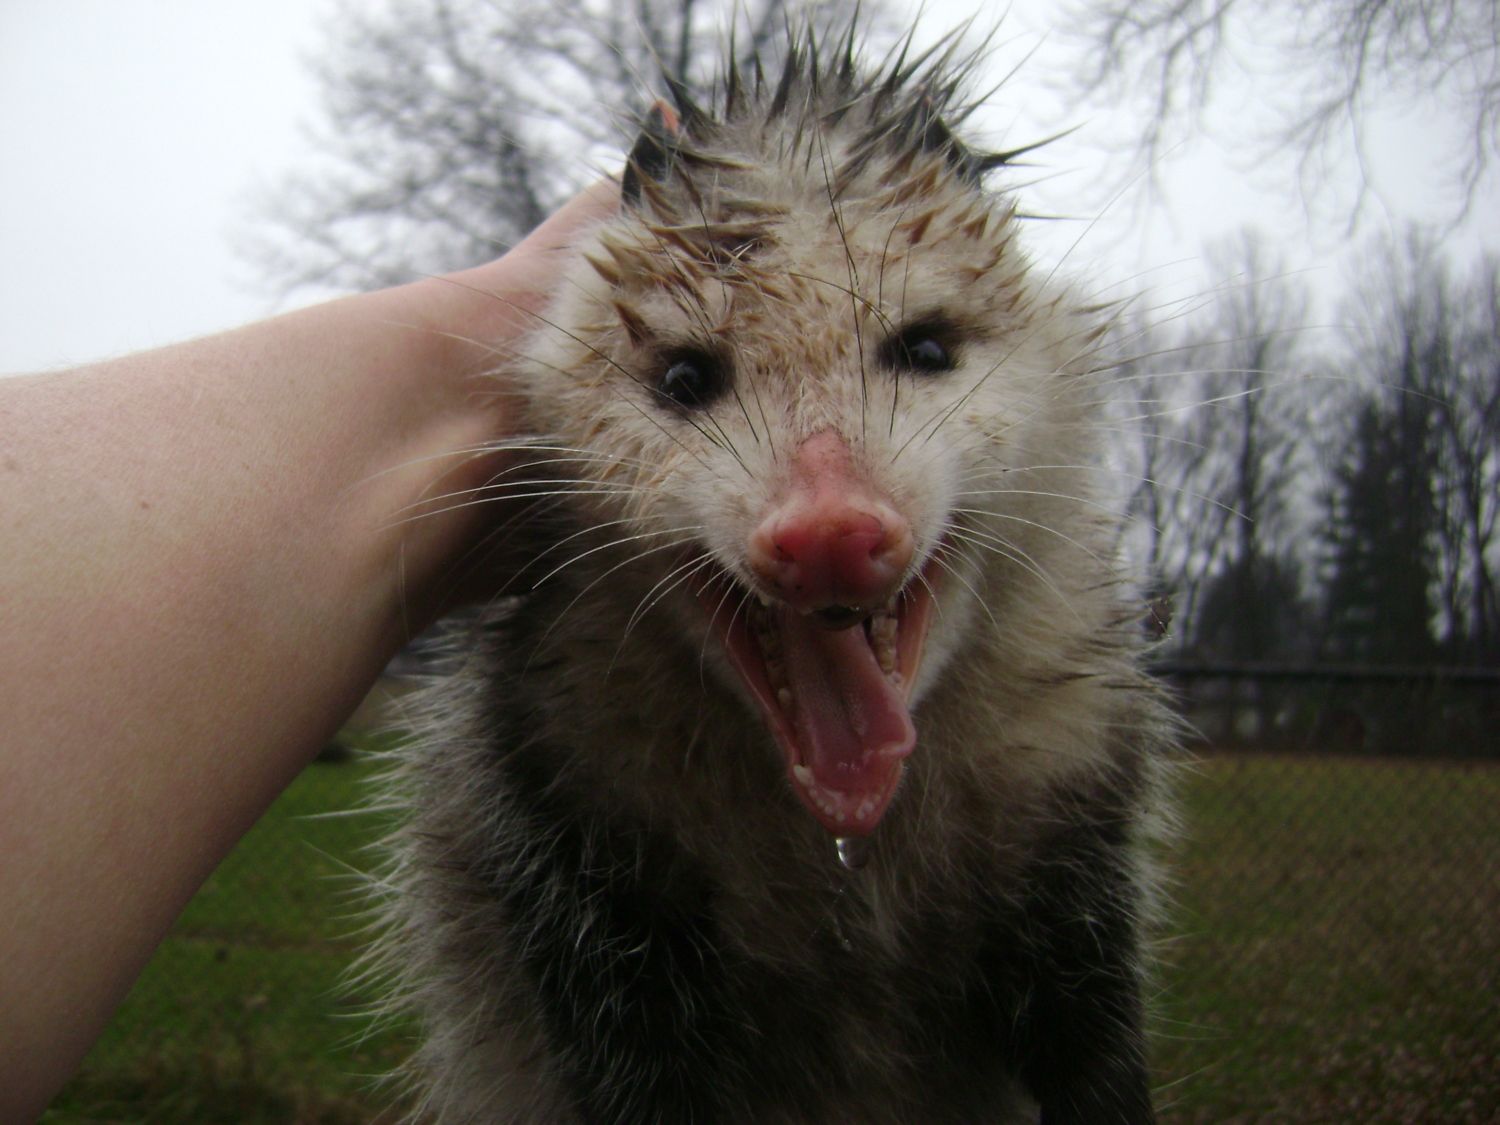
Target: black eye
column 927, row 354
column 693, row 379
column 922, row 347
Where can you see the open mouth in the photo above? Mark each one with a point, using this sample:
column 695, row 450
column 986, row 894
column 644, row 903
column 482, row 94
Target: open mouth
column 833, row 687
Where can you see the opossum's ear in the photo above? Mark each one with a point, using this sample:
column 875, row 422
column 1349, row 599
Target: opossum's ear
column 651, row 155
column 933, row 135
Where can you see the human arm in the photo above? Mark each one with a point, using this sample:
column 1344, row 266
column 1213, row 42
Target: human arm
column 203, row 568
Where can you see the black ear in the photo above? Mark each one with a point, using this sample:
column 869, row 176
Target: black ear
column 651, row 155
column 933, row 135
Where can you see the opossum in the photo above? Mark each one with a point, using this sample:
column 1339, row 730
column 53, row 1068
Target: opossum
column 809, row 774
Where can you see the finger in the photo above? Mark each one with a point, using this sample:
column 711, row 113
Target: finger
column 521, row 280
column 596, row 202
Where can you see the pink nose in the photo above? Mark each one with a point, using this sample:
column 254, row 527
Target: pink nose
column 829, row 541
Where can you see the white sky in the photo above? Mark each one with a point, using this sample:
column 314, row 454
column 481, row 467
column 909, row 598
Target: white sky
column 136, row 134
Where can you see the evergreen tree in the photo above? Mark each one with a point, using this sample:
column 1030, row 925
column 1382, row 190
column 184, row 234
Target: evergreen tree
column 1379, row 532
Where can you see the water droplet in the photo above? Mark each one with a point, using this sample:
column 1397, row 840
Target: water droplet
column 854, row 851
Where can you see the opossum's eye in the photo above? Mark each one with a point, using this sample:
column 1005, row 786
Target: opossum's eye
column 927, row 354
column 926, row 346
column 693, row 378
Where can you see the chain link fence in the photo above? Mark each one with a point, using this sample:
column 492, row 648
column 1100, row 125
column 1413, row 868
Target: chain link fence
column 1336, row 914
column 1331, row 954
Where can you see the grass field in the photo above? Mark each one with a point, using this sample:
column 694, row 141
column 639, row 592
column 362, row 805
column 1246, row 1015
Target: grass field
column 1335, row 948
column 1337, row 944
column 241, row 1016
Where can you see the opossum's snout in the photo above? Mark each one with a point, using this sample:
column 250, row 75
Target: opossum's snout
column 831, row 553
column 829, row 648
column 830, row 546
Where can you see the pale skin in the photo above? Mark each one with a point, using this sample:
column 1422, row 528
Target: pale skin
column 205, row 562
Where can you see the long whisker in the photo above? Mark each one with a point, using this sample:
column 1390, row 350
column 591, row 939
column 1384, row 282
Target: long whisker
column 593, row 489
column 674, row 579
column 1008, row 550
column 606, row 546
column 630, row 560
column 941, row 554
column 730, row 589
column 1029, row 523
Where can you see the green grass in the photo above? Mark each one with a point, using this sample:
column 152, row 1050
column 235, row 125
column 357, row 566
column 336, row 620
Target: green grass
column 242, row 1015
column 1338, row 940
column 1336, row 948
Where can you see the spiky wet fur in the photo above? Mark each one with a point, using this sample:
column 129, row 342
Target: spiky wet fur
column 606, row 904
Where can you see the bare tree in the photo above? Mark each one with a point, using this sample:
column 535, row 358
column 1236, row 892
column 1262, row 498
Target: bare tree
column 454, row 126
column 1430, row 340
column 1470, row 424
column 1329, row 62
column 1165, row 455
column 1427, row 444
column 1220, row 459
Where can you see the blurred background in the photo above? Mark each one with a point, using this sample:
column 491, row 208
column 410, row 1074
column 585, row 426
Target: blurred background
column 1297, row 206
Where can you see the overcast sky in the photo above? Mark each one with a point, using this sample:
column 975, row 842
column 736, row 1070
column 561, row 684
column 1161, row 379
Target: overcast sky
column 134, row 134
column 137, row 133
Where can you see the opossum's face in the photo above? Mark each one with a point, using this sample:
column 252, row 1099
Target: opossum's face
column 791, row 416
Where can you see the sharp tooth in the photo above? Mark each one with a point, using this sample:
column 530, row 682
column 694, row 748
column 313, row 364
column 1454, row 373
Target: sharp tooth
column 776, row 677
column 803, row 775
column 883, row 631
column 784, row 697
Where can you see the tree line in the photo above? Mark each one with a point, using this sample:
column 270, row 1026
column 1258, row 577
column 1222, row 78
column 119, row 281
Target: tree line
column 1323, row 495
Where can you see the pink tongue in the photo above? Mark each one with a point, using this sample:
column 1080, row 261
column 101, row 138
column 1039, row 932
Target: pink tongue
column 851, row 722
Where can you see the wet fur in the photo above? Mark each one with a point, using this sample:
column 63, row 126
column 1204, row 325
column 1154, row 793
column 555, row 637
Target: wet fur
column 606, row 904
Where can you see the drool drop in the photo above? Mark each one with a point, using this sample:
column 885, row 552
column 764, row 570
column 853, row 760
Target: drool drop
column 853, row 851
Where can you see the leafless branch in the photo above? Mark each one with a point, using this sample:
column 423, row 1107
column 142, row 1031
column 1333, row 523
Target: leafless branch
column 1331, row 61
